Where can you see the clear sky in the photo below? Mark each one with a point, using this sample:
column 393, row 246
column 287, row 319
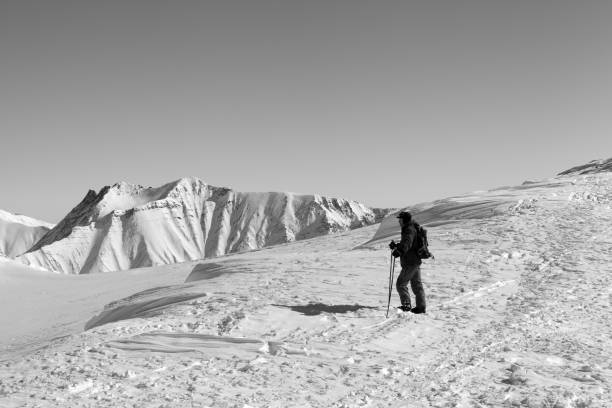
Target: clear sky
column 384, row 102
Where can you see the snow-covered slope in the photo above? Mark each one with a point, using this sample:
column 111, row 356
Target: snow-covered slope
column 476, row 206
column 518, row 315
column 18, row 233
column 481, row 205
column 127, row 226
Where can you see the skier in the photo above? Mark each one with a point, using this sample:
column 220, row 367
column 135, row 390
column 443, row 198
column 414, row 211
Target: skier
column 411, row 265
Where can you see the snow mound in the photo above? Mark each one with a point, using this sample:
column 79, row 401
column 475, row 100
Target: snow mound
column 214, row 346
column 144, row 304
column 127, row 226
column 18, row 233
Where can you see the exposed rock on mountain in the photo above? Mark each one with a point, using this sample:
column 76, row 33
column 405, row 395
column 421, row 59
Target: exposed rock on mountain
column 127, row 226
column 18, row 233
column 594, row 166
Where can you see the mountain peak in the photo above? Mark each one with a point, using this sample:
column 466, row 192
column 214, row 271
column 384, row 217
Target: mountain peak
column 126, row 187
column 127, row 225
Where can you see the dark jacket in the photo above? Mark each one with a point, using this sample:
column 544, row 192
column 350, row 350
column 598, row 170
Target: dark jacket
column 407, row 246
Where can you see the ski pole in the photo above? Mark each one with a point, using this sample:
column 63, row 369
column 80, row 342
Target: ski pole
column 391, row 282
column 389, row 302
column 391, row 273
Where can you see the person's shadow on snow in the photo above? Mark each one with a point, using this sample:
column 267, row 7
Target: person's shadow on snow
column 313, row 309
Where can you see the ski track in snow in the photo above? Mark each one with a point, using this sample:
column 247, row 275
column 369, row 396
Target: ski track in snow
column 518, row 315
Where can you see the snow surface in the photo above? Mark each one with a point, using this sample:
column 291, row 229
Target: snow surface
column 18, row 233
column 126, row 226
column 518, row 315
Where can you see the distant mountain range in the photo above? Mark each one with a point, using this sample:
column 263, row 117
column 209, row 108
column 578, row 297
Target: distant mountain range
column 127, row 226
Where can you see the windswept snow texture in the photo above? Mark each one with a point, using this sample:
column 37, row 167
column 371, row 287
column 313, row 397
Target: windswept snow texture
column 594, row 166
column 128, row 226
column 19, row 233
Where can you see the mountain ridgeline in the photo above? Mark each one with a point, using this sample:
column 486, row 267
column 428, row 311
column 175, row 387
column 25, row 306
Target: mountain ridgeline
column 127, row 226
column 592, row 167
column 18, row 233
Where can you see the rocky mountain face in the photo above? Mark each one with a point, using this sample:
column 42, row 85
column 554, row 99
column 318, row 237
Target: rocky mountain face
column 18, row 233
column 592, row 167
column 126, row 226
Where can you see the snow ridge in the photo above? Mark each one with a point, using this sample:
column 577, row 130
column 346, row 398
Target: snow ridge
column 481, row 205
column 592, row 167
column 18, row 233
column 127, row 226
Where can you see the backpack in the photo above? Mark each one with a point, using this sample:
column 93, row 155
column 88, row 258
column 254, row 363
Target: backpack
column 421, row 244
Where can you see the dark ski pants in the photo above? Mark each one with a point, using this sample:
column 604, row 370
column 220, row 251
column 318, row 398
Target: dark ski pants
column 412, row 274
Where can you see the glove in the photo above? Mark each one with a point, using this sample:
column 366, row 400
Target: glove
column 396, row 253
column 392, row 245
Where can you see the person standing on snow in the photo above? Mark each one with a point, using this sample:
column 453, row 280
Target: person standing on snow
column 411, row 265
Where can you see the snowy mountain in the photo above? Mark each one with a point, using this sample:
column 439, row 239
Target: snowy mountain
column 127, row 226
column 518, row 315
column 18, row 233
